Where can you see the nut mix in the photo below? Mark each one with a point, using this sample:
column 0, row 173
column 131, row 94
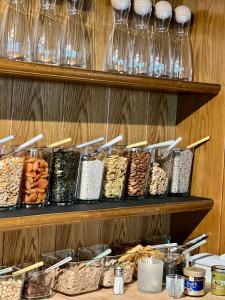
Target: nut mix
column 107, row 278
column 10, row 179
column 158, row 180
column 10, row 288
column 137, row 172
column 35, row 179
column 114, row 177
column 160, row 170
column 181, row 173
column 78, row 278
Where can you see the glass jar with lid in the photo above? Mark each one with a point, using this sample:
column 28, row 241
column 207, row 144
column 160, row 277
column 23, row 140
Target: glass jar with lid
column 182, row 161
column 91, row 175
column 160, row 172
column 35, row 181
column 137, row 173
column 218, row 280
column 64, row 176
column 115, row 169
column 194, row 281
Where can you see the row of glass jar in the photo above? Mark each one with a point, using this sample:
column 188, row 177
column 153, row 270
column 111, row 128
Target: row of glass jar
column 64, row 175
column 139, row 48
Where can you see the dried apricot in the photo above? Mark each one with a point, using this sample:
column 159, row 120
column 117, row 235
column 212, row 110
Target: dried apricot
column 43, row 183
column 36, row 178
column 35, row 166
column 43, row 163
column 27, row 185
column 33, row 197
column 42, row 196
column 35, row 184
column 30, row 179
column 29, row 159
column 44, row 176
column 30, row 174
column 28, row 167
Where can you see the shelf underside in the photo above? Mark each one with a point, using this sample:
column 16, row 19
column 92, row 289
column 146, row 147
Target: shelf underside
column 84, row 212
column 99, row 78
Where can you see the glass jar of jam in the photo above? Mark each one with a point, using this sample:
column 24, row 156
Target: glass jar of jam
column 218, row 280
column 194, row 282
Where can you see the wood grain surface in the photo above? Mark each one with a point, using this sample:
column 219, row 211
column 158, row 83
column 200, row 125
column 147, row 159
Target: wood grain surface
column 27, row 245
column 208, row 51
column 102, row 211
column 98, row 78
column 60, row 110
column 131, row 293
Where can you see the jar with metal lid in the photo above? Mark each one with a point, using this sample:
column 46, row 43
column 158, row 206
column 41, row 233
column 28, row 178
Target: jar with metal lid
column 194, row 281
column 218, row 280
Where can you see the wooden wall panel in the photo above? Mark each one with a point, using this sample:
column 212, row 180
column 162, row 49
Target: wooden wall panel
column 161, row 117
column 37, row 108
column 1, row 247
column 28, row 244
column 207, row 178
column 84, row 112
column 5, row 107
column 128, row 115
column 208, row 50
column 208, row 40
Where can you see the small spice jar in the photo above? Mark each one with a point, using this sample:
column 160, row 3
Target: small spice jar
column 218, row 280
column 115, row 174
column 194, row 281
column 137, row 174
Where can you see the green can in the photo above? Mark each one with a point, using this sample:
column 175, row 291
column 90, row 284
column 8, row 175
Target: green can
column 218, row 280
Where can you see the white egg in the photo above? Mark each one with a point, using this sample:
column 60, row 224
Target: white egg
column 142, row 7
column 182, row 14
column 163, row 10
column 121, row 4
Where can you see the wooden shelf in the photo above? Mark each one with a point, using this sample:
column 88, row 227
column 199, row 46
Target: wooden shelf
column 98, row 78
column 131, row 293
column 105, row 210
